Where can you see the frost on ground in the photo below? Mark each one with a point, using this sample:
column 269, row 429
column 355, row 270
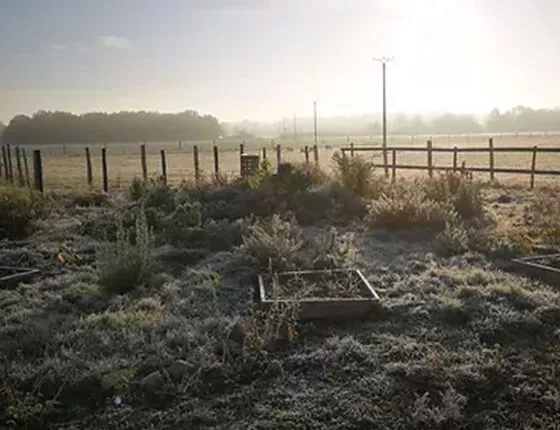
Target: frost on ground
column 457, row 343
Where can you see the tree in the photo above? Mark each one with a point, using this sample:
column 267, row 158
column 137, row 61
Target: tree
column 62, row 127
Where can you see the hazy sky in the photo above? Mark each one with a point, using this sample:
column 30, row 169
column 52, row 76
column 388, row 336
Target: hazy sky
column 262, row 60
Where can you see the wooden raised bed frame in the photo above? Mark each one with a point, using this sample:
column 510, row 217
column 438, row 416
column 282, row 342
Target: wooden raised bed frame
column 324, row 307
column 534, row 267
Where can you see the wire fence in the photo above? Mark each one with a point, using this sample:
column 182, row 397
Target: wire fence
column 114, row 166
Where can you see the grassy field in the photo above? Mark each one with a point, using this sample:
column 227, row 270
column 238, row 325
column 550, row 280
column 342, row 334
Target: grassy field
column 64, row 165
column 144, row 315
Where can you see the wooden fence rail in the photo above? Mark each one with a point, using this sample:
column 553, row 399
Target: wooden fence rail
column 430, row 165
column 490, row 149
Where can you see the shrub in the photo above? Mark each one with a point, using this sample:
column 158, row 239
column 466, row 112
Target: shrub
column 543, row 216
column 126, row 263
column 358, row 174
column 298, row 177
column 332, row 251
column 454, row 239
column 19, row 208
column 406, row 208
column 464, row 194
column 274, row 243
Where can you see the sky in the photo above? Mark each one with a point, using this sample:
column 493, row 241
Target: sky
column 264, row 60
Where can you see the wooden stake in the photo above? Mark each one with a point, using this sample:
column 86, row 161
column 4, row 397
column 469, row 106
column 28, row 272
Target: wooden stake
column 89, row 171
column 38, row 170
column 533, row 166
column 104, row 170
column 144, row 162
column 163, row 167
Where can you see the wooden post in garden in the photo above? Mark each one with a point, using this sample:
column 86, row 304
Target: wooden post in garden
column 2, row 163
column 264, row 153
column 491, row 161
column 196, row 164
column 533, row 166
column 306, row 150
column 352, row 150
column 216, row 160
column 104, row 171
column 241, row 152
column 26, row 167
column 19, row 167
column 89, row 171
column 430, row 159
column 454, row 159
column 278, row 155
column 394, row 172
column 163, row 167
column 144, row 162
column 38, row 170
column 10, row 167
column 316, row 154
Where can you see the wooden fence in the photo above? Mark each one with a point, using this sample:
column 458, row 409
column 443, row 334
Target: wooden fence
column 18, row 171
column 429, row 150
column 21, row 176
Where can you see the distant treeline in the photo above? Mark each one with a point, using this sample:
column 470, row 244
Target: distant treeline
column 516, row 120
column 62, row 127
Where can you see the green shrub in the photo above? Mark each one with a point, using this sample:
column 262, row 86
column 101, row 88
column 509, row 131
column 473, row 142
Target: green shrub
column 332, row 251
column 19, row 208
column 125, row 264
column 405, row 208
column 543, row 217
column 358, row 174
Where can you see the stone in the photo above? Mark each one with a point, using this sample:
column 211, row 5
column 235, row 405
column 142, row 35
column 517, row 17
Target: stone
column 178, row 369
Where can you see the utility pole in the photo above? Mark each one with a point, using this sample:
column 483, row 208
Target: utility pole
column 315, row 122
column 295, row 129
column 384, row 61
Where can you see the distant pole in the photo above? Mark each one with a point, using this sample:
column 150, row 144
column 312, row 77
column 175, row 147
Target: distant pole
column 295, row 129
column 89, row 171
column 384, row 61
column 144, row 162
column 163, row 168
column 315, row 122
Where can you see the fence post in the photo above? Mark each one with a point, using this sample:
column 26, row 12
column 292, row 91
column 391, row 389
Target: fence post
column 104, row 169
column 10, row 167
column 463, row 168
column 216, row 160
column 306, row 150
column 2, row 164
column 454, row 159
column 533, row 165
column 491, row 150
column 196, row 164
column 89, row 172
column 241, row 152
column 394, row 173
column 19, row 167
column 278, row 155
column 430, row 159
column 264, row 153
column 316, row 154
column 144, row 162
column 26, row 166
column 163, row 167
column 38, row 170
column 352, row 149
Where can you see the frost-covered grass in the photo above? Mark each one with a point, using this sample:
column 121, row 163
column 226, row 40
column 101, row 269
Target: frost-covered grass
column 456, row 343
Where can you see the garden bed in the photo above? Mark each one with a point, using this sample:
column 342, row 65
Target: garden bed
column 320, row 294
column 13, row 275
column 543, row 267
